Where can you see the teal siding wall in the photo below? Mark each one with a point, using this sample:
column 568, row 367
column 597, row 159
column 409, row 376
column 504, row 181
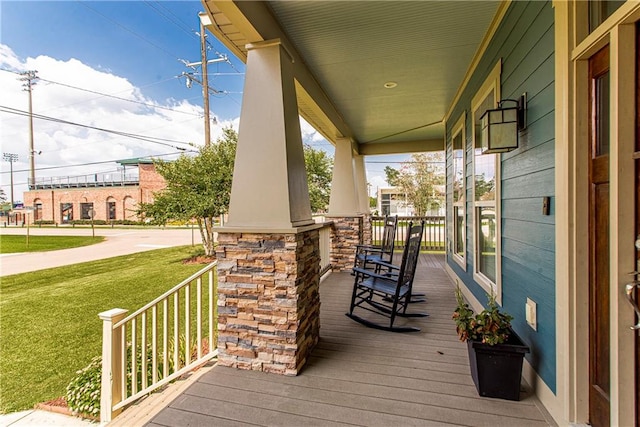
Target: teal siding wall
column 525, row 42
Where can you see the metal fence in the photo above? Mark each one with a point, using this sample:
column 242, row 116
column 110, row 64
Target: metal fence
column 433, row 238
column 85, row 181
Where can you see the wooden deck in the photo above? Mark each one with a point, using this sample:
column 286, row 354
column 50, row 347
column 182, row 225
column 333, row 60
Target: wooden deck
column 360, row 376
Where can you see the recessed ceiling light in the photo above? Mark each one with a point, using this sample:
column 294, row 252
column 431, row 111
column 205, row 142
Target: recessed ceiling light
column 390, row 85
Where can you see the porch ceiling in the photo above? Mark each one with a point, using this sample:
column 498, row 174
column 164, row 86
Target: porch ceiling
column 345, row 52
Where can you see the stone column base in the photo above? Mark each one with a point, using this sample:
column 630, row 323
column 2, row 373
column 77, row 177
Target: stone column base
column 268, row 300
column 346, row 233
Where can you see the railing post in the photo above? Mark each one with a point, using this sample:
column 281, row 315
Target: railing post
column 111, row 389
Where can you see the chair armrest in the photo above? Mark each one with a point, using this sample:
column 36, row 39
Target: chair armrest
column 370, row 273
column 368, row 248
column 384, row 264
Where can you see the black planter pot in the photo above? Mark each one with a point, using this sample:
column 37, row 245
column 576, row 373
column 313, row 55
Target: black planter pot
column 497, row 369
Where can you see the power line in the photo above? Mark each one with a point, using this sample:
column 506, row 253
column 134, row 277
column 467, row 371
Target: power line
column 154, row 140
column 84, row 3
column 112, row 95
column 177, row 21
column 120, row 98
column 150, row 156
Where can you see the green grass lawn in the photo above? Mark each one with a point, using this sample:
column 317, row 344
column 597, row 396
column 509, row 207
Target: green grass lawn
column 16, row 243
column 49, row 326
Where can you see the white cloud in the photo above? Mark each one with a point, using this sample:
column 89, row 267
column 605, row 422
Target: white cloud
column 66, row 145
column 63, row 145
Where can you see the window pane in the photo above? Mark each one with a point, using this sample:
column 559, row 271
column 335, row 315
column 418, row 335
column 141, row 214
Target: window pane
column 485, row 176
column 484, row 165
column 487, row 242
column 66, row 212
column 458, row 212
column 458, row 169
column 602, row 118
column 85, row 209
column 600, row 10
column 111, row 210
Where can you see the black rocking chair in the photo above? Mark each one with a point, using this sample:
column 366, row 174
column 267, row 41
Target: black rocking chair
column 388, row 295
column 368, row 254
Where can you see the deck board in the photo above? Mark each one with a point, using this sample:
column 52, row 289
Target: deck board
column 361, row 376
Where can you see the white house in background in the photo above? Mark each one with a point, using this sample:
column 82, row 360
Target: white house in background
column 392, row 201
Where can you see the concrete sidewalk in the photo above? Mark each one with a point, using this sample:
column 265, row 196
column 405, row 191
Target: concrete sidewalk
column 117, row 242
column 37, row 418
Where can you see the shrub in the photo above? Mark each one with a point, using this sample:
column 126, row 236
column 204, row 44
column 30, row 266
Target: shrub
column 83, row 392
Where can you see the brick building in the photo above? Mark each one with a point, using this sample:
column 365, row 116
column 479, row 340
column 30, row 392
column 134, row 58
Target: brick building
column 111, row 197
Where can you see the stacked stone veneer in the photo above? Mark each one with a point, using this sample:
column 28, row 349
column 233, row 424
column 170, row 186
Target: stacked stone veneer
column 367, row 229
column 346, row 233
column 268, row 300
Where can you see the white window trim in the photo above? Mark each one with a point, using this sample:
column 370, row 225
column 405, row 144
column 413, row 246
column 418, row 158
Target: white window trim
column 460, row 129
column 491, row 83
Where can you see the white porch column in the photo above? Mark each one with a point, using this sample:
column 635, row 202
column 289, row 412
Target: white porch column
column 269, row 188
column 361, row 184
column 344, row 195
column 363, row 200
column 345, row 206
column 268, row 251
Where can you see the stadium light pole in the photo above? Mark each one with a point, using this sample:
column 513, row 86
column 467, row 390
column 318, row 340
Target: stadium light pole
column 10, row 157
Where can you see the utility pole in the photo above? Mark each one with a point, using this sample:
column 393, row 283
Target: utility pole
column 10, row 157
column 30, row 79
column 204, row 20
column 205, row 80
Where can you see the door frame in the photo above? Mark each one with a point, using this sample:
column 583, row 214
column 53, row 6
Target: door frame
column 573, row 49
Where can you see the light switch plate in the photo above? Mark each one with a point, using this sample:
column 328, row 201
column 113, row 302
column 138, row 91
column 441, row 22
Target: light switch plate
column 531, row 314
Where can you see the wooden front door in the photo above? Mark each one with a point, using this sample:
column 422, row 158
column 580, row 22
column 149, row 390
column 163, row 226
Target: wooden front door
column 599, row 280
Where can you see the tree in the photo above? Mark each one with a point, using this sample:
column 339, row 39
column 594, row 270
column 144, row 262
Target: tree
column 419, row 180
column 319, row 168
column 392, row 175
column 198, row 187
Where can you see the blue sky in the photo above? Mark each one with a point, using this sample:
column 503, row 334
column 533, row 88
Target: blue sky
column 113, row 65
column 139, row 40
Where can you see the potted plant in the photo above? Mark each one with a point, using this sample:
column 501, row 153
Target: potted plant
column 496, row 352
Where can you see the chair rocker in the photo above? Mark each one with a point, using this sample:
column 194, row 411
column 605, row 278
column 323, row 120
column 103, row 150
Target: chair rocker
column 388, row 295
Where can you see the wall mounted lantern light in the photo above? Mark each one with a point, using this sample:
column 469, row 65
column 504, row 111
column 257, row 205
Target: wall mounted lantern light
column 501, row 127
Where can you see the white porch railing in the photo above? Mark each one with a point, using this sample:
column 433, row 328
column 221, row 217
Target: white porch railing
column 325, row 248
column 155, row 345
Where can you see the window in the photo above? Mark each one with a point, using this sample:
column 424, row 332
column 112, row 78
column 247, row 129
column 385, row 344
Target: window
column 385, row 204
column 37, row 213
column 486, row 194
column 600, row 10
column 66, row 212
column 86, row 210
column 459, row 191
column 111, row 210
